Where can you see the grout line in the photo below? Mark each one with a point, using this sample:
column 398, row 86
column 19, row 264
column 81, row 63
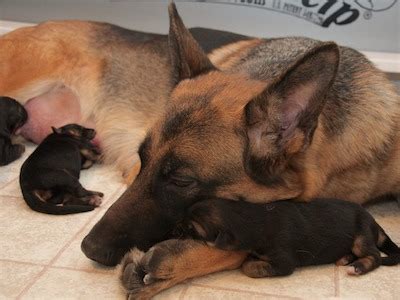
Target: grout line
column 59, row 253
column 243, row 291
column 22, row 262
column 55, row 267
column 336, row 281
column 32, row 282
column 82, row 270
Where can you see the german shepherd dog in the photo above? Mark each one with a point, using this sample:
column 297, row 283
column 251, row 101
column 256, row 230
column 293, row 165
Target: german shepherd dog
column 256, row 120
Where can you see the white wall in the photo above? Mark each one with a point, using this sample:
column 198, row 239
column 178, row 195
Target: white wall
column 378, row 33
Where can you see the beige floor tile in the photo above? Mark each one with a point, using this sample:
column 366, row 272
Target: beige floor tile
column 14, row 277
column 203, row 292
column 73, row 256
column 68, row 284
column 173, row 293
column 29, row 236
column 383, row 283
column 11, row 171
column 310, row 282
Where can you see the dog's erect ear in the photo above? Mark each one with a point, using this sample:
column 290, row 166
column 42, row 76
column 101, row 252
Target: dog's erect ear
column 188, row 60
column 281, row 121
column 56, row 130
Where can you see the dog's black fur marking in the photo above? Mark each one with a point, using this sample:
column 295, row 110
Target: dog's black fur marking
column 284, row 235
column 49, row 178
column 12, row 116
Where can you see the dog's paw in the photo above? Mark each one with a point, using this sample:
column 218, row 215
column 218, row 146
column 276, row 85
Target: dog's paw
column 131, row 271
column 96, row 199
column 144, row 275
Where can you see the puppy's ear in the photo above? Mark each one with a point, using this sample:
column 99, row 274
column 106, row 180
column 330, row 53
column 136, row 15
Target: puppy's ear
column 281, row 121
column 56, row 130
column 225, row 241
column 74, row 132
column 187, row 58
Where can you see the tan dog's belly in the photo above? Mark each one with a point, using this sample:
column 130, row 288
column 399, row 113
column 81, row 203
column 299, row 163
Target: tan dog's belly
column 56, row 108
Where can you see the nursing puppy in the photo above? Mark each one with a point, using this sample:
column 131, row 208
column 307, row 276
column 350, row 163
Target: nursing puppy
column 50, row 176
column 12, row 116
column 284, row 235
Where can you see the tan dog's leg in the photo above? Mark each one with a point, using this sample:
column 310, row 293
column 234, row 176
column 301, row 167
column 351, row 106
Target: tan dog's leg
column 130, row 176
column 170, row 262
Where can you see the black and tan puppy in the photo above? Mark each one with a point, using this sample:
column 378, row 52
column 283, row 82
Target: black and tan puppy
column 12, row 116
column 284, row 235
column 50, row 176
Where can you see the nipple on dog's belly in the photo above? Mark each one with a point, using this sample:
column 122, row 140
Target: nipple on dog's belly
column 55, row 108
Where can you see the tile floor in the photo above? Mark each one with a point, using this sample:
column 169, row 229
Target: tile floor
column 40, row 257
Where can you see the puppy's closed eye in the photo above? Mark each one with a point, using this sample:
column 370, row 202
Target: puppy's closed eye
column 225, row 240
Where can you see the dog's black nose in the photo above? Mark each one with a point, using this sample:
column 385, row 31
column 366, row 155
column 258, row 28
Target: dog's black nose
column 105, row 255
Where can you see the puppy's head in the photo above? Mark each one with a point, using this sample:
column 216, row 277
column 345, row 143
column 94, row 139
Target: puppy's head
column 211, row 221
column 76, row 131
column 14, row 114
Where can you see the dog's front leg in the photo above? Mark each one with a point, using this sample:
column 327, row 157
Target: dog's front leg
column 168, row 263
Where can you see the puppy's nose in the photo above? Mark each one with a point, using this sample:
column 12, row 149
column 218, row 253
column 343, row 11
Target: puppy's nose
column 91, row 133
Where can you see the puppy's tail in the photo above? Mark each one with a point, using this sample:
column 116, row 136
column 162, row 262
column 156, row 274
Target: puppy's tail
column 387, row 246
column 36, row 204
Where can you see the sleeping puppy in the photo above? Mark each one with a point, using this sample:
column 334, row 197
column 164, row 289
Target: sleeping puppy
column 283, row 235
column 12, row 116
column 49, row 178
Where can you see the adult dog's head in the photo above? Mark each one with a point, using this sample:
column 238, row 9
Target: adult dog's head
column 224, row 135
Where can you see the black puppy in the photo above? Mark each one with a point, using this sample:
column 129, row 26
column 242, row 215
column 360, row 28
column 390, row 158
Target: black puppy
column 283, row 235
column 12, row 116
column 49, row 178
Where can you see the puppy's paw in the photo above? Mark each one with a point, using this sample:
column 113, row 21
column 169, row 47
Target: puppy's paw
column 96, row 199
column 353, row 270
column 19, row 150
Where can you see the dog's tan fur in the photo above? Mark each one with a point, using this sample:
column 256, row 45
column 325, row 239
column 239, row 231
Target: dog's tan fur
column 359, row 163
column 76, row 55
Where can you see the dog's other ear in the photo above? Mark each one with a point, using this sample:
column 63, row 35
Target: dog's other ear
column 281, row 121
column 56, row 130
column 188, row 60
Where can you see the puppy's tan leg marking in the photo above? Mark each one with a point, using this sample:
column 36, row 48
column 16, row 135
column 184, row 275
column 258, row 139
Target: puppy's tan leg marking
column 131, row 175
column 171, row 262
column 345, row 260
column 43, row 195
column 368, row 255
